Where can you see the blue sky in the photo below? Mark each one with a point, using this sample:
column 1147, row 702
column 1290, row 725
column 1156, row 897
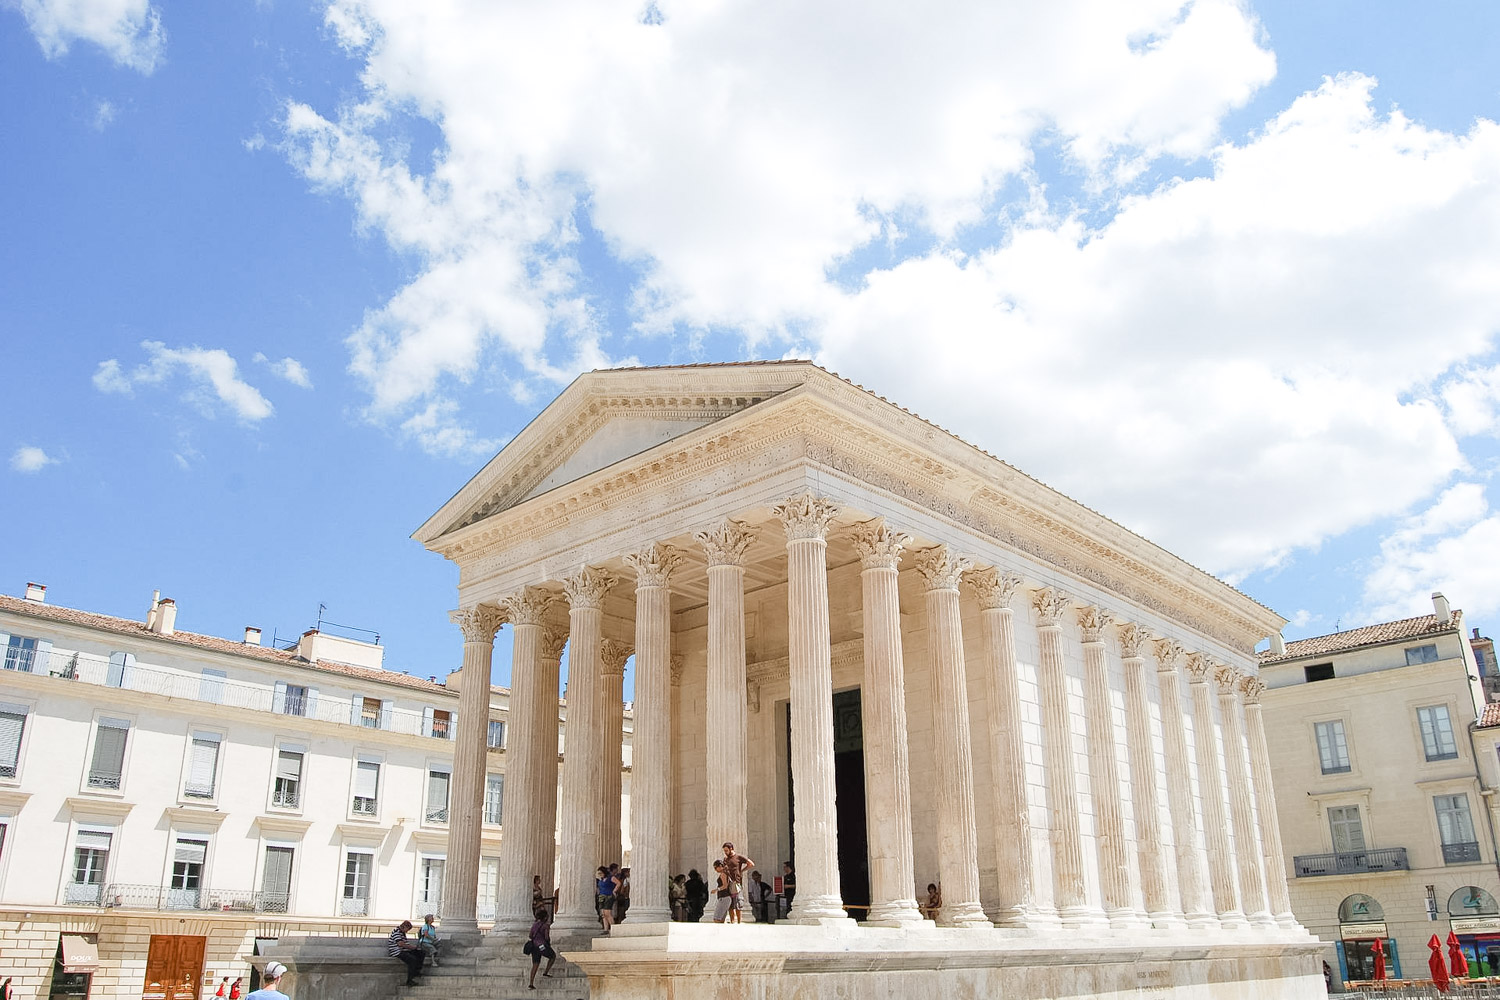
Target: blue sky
column 277, row 278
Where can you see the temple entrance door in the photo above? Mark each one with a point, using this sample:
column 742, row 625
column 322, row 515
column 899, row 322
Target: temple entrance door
column 849, row 785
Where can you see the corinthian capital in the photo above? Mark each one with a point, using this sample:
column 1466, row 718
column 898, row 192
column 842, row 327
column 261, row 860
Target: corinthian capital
column 587, row 587
column 553, row 642
column 674, row 663
column 1252, row 686
column 805, row 515
column 726, row 542
column 612, row 656
column 1092, row 619
column 527, row 606
column 1168, row 654
column 1050, row 604
column 1200, row 667
column 653, row 564
column 1132, row 638
column 941, row 567
column 1227, row 678
column 479, row 623
column 878, row 544
column 991, row 587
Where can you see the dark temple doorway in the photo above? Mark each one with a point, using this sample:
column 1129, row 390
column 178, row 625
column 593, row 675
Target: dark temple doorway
column 849, row 786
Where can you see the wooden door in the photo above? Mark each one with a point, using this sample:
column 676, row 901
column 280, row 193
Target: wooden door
column 174, row 967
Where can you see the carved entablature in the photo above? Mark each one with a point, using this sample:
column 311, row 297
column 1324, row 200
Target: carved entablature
column 653, row 564
column 992, row 588
column 878, row 545
column 1132, row 639
column 479, row 623
column 1091, row 620
column 528, row 606
column 587, row 587
column 941, row 567
column 1050, row 604
column 805, row 515
column 612, row 657
column 725, row 543
column 1200, row 667
column 1169, row 653
column 1251, row 686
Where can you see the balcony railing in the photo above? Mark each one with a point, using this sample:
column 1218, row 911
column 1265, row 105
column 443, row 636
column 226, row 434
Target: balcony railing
column 124, row 896
column 1461, row 853
column 1383, row 859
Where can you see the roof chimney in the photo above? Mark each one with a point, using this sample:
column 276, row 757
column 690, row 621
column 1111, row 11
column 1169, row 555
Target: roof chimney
column 252, row 635
column 1278, row 644
column 151, row 615
column 1440, row 608
column 36, row 592
column 166, row 616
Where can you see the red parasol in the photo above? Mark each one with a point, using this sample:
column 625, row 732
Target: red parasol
column 1435, row 963
column 1456, row 960
column 1378, row 950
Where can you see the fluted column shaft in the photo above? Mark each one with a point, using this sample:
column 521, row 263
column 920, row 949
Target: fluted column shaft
column 726, row 809
column 1211, row 789
column 815, row 827
column 1104, row 773
column 651, row 745
column 466, row 793
column 519, row 817
column 883, row 705
column 1150, row 858
column 1190, row 882
column 544, row 830
column 1265, row 806
column 612, row 657
column 1014, row 903
column 1069, row 890
column 583, row 753
column 958, row 839
column 1241, row 808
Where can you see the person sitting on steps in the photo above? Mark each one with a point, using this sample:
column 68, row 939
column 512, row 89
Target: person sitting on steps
column 399, row 946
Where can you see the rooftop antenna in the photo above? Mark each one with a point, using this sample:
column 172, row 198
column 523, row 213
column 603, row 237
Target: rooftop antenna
column 321, row 608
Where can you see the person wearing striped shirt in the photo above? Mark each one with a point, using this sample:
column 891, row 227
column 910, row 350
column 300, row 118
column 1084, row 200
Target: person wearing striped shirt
column 399, row 946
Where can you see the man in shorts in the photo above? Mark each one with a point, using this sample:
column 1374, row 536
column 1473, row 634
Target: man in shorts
column 735, row 866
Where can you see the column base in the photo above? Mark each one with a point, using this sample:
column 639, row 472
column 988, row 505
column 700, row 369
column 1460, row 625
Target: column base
column 1166, row 920
column 1262, row 919
column 1082, row 917
column 1233, row 920
column 1289, row 921
column 510, row 925
column 897, row 913
column 1126, row 919
column 819, row 910
column 578, row 926
column 1202, row 920
column 963, row 916
column 641, row 915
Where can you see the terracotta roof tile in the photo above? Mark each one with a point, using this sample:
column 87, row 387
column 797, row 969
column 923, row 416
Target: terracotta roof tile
column 1369, row 635
column 1490, row 716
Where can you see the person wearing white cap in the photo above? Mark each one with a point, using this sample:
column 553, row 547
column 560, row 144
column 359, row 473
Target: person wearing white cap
column 271, row 980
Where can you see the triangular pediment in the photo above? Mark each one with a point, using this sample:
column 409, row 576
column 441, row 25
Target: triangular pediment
column 603, row 418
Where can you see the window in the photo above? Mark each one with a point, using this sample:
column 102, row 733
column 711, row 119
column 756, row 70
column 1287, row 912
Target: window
column 12, row 728
column 369, row 713
column 1333, row 750
column 1456, row 829
column 287, row 792
column 494, row 798
column 496, row 740
column 1437, row 733
column 489, row 888
column 437, row 795
column 1348, row 832
column 1422, row 654
column 90, row 862
column 357, row 868
column 366, row 787
column 1318, row 672
column 294, row 700
column 185, row 890
column 441, row 723
column 276, row 881
column 108, row 766
column 203, row 766
column 20, row 654
column 430, row 892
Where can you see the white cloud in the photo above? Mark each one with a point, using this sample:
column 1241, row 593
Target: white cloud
column 105, row 113
column 29, row 458
column 289, row 369
column 129, row 31
column 1453, row 546
column 437, row 430
column 214, row 375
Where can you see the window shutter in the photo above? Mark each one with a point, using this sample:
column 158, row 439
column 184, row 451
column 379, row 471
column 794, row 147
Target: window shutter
column 4, row 642
column 211, row 686
column 202, row 765
column 356, row 710
column 385, row 714
column 278, row 874
column 366, row 779
column 93, row 840
column 427, row 721
column 116, row 676
column 109, row 751
column 278, row 698
column 453, row 724
column 310, row 708
column 289, row 765
column 437, row 792
column 43, row 664
column 193, row 852
column 12, row 727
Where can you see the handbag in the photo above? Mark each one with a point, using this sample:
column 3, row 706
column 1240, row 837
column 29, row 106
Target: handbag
column 528, row 948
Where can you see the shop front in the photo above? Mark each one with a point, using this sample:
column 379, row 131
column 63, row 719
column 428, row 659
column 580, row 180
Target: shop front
column 1361, row 926
column 1475, row 918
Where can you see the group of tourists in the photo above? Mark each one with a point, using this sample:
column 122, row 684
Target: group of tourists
column 612, row 895
column 689, row 894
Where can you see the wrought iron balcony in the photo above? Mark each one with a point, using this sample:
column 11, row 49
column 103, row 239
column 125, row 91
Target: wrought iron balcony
column 1383, row 859
column 124, row 896
column 1462, row 853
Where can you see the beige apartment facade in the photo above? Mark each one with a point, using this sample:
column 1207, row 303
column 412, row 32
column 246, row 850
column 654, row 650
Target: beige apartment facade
column 1386, row 807
column 862, row 645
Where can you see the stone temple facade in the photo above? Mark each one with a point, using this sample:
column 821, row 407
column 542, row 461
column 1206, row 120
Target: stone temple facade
column 869, row 647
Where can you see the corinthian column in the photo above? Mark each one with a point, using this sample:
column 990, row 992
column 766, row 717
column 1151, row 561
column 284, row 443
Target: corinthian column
column 612, row 657
column 466, row 799
column 583, row 752
column 1069, row 890
column 1241, row 806
column 815, row 827
column 958, row 841
column 651, row 746
column 1014, row 905
column 726, row 809
column 1190, row 882
column 525, row 746
column 549, row 670
column 1265, row 805
column 1104, row 773
column 1149, row 855
column 887, row 785
column 1211, row 788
